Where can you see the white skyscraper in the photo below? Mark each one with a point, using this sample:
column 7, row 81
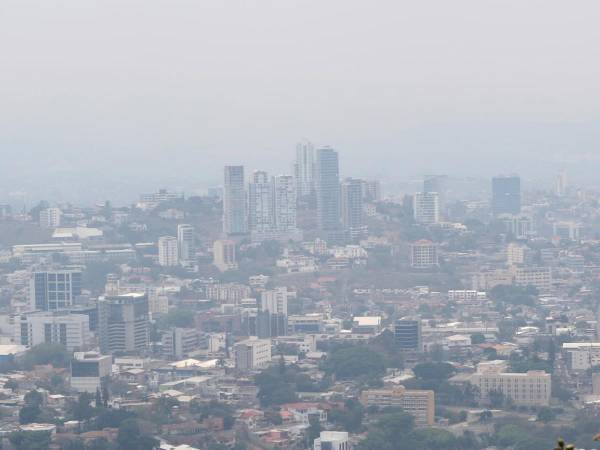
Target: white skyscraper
column 234, row 201
column 260, row 204
column 167, row 251
column 304, row 168
column 426, row 207
column 284, row 196
column 185, row 243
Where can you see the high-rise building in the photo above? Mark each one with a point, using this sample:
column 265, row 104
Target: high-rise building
column 426, row 207
column 50, row 217
column 224, row 255
column 252, row 354
column 506, row 195
column 332, row 440
column 371, row 190
column 260, row 204
column 407, row 333
column 561, row 184
column 424, row 254
column 123, row 323
column 327, row 183
column 275, row 301
column 52, row 327
column 167, row 251
column 271, row 320
column 284, row 201
column 234, row 201
column 304, row 168
column 352, row 209
column 185, row 243
column 436, row 183
column 90, row 371
column 54, row 290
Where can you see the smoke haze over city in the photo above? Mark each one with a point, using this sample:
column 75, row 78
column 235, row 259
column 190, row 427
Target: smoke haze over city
column 156, row 93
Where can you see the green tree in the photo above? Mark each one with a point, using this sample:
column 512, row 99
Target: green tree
column 54, row 354
column 82, row 408
column 130, row 437
column 546, row 414
column 477, row 338
column 433, row 371
column 314, row 430
column 32, row 409
column 28, row 440
column 354, row 362
column 496, row 398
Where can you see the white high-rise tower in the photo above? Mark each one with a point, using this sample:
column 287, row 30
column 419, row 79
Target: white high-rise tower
column 304, row 168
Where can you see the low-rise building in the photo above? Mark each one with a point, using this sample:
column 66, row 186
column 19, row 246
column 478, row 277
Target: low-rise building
column 523, row 389
column 418, row 403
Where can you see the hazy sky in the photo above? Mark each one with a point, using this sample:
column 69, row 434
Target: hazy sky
column 103, row 98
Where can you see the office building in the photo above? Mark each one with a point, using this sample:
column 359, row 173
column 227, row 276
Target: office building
column 260, row 204
column 522, row 389
column 275, row 301
column 53, row 327
column 50, row 217
column 252, row 354
column 407, row 334
column 506, row 195
column 539, row 277
column 304, row 169
column 185, row 244
column 180, row 342
column 371, row 191
column 424, row 255
column 271, row 319
column 515, row 254
column 55, row 289
column 581, row 356
column 418, row 403
column 567, row 230
column 352, row 209
column 426, row 208
column 151, row 201
column 123, row 323
column 90, row 371
column 224, row 255
column 436, row 183
column 519, row 225
column 168, row 254
column 234, row 201
column 267, row 324
column 327, row 183
column 332, row 440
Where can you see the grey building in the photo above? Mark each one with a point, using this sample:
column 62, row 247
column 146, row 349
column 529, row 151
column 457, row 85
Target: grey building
column 327, row 183
column 407, row 333
column 123, row 323
column 352, row 209
column 506, row 195
column 234, row 201
column 54, row 290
